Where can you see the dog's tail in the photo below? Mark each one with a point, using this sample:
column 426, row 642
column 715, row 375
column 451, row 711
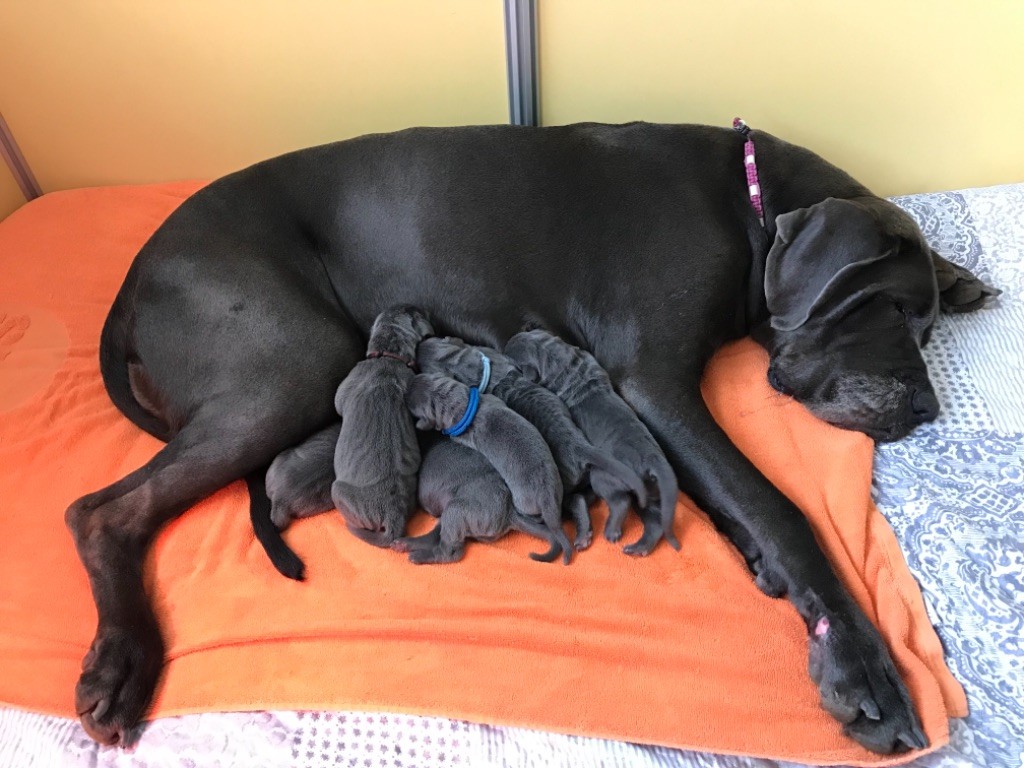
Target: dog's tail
column 616, row 469
column 281, row 555
column 528, row 525
column 668, row 490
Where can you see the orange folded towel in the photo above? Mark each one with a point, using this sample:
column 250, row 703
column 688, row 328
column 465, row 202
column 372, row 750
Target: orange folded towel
column 678, row 649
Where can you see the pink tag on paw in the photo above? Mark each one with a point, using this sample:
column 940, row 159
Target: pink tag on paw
column 821, row 627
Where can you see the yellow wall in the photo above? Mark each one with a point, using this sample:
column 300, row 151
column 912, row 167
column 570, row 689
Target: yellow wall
column 145, row 90
column 908, row 95
column 10, row 194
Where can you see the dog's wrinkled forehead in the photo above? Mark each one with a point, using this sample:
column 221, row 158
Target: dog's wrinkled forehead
column 837, row 254
column 402, row 325
column 436, row 353
column 435, row 396
column 538, row 353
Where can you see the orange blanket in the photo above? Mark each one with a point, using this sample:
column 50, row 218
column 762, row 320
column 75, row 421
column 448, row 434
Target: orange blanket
column 677, row 649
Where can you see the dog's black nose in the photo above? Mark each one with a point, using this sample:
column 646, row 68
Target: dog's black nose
column 924, row 406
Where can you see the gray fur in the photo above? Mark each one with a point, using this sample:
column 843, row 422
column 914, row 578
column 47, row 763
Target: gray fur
column 461, row 488
column 377, row 457
column 509, row 442
column 611, row 425
column 574, row 455
column 299, row 480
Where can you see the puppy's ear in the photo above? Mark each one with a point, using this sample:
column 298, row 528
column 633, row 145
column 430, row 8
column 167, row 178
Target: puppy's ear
column 959, row 290
column 815, row 249
column 421, row 325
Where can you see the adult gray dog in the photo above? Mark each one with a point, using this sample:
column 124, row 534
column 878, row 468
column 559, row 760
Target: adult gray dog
column 510, row 443
column 576, row 458
column 471, row 501
column 638, row 242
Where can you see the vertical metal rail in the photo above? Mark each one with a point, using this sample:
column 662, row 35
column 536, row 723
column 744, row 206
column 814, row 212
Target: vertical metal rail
column 521, row 60
column 16, row 162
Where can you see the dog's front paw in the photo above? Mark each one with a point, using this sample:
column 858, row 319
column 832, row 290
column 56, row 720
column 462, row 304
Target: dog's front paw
column 119, row 677
column 768, row 579
column 860, row 687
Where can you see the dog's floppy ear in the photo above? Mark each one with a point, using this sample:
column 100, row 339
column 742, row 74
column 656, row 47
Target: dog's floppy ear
column 959, row 290
column 421, row 325
column 815, row 248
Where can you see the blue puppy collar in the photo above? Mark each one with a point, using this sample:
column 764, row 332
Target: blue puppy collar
column 467, row 417
column 474, row 401
column 485, row 377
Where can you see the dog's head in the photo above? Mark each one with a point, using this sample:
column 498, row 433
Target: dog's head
column 541, row 356
column 461, row 361
column 853, row 291
column 436, row 401
column 399, row 329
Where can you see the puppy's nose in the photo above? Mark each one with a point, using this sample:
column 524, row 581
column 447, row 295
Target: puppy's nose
column 924, row 406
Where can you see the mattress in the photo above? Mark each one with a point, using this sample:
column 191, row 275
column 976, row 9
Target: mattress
column 952, row 492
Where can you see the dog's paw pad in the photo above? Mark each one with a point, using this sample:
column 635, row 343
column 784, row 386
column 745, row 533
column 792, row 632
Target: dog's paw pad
column 119, row 676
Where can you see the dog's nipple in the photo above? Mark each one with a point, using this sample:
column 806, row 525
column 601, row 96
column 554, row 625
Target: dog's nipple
column 821, row 628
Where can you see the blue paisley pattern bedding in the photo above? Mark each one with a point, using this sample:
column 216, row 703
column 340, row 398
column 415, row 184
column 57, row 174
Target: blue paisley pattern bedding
column 953, row 492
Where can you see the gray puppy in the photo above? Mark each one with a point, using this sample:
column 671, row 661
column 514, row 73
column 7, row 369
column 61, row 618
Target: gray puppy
column 459, row 486
column 377, row 456
column 509, row 442
column 576, row 458
column 583, row 385
column 297, row 484
column 299, row 481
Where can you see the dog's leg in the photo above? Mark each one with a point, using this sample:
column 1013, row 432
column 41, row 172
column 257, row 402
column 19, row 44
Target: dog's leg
column 849, row 661
column 113, row 528
column 427, row 540
column 653, row 532
column 619, row 503
column 579, row 511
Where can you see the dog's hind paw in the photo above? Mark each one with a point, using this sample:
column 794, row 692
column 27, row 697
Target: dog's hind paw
column 612, row 532
column 860, row 687
column 583, row 540
column 119, row 677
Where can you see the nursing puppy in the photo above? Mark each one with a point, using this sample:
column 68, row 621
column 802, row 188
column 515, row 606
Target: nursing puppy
column 576, row 458
column 461, row 488
column 297, row 484
column 377, row 456
column 508, row 441
column 583, row 385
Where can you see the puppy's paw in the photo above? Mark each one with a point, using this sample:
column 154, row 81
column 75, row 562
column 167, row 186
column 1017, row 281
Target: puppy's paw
column 435, row 555
column 860, row 687
column 613, row 531
column 583, row 540
column 653, row 533
column 280, row 518
column 119, row 677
